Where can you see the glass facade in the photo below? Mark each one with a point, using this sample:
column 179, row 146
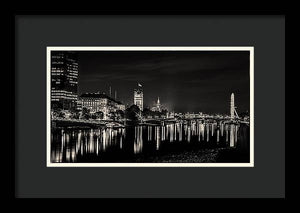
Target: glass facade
column 64, row 80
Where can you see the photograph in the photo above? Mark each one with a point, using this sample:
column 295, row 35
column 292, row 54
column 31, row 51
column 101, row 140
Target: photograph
column 169, row 104
column 150, row 106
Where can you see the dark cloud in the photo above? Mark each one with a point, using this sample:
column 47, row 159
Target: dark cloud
column 184, row 80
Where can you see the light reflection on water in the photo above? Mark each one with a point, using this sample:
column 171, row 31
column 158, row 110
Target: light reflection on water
column 73, row 145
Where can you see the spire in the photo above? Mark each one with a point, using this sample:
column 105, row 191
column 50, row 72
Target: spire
column 158, row 102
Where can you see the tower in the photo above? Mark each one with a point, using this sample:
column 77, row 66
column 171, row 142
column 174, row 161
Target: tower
column 158, row 105
column 64, row 80
column 138, row 98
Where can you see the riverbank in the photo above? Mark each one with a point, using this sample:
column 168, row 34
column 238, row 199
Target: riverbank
column 76, row 123
column 221, row 155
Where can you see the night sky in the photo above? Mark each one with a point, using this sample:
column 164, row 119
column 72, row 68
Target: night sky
column 185, row 81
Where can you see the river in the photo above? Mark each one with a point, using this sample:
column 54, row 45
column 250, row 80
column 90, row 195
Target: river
column 152, row 143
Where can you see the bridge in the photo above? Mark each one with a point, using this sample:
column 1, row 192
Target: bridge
column 234, row 117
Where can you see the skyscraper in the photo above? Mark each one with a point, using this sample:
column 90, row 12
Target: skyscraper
column 138, row 97
column 64, row 80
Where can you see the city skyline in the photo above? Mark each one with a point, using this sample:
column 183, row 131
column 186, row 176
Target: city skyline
column 184, row 81
column 191, row 103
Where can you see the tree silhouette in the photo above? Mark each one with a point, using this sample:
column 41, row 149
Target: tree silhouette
column 132, row 112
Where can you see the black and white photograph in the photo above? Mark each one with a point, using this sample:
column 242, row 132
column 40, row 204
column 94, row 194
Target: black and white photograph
column 162, row 104
column 150, row 106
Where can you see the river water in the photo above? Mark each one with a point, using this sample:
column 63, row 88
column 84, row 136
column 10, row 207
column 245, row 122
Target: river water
column 143, row 143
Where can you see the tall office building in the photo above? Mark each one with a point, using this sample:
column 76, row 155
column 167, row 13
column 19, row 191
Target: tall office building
column 64, row 80
column 138, row 97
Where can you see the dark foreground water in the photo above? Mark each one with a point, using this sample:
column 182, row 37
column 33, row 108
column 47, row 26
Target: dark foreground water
column 192, row 141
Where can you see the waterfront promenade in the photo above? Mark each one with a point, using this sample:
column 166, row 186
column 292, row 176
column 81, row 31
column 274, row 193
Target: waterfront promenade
column 63, row 122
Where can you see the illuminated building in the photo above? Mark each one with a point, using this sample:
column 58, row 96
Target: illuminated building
column 120, row 106
column 97, row 102
column 64, row 80
column 157, row 107
column 138, row 97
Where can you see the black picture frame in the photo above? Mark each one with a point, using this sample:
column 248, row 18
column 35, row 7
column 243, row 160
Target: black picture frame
column 171, row 13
